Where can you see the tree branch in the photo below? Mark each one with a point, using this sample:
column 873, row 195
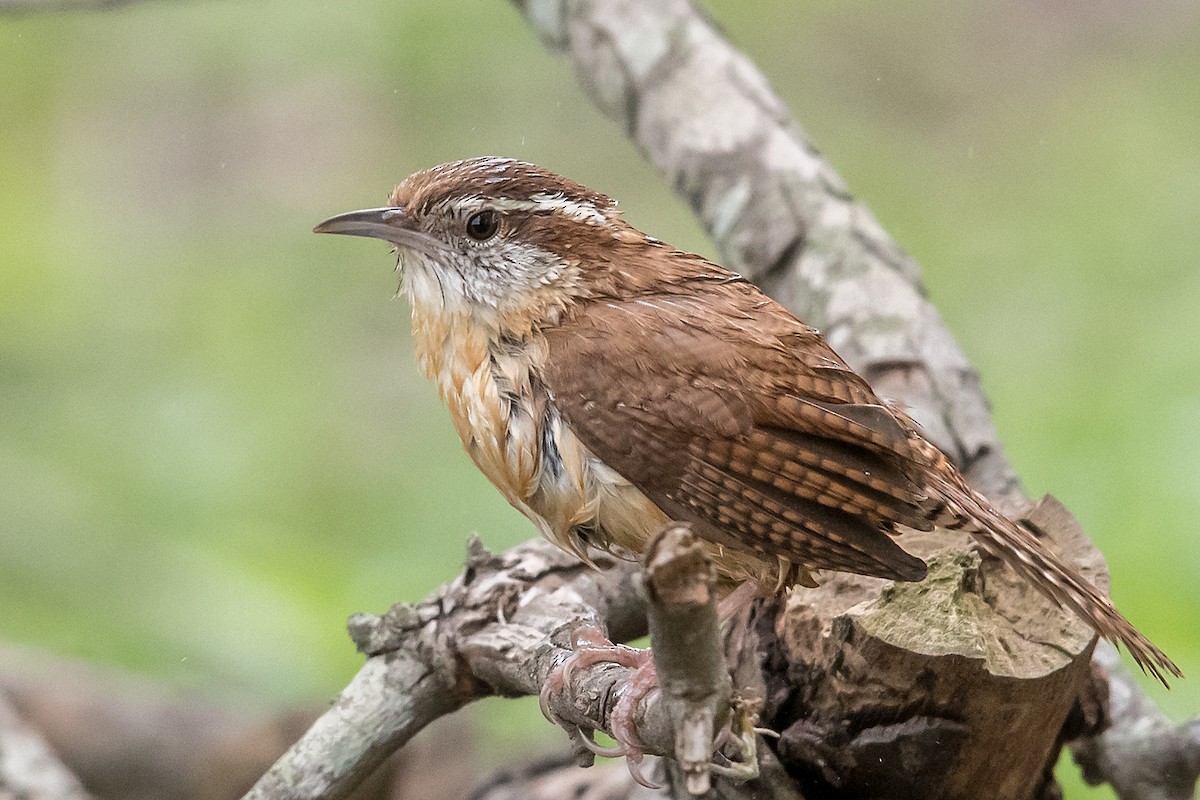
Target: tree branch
column 681, row 587
column 28, row 767
column 500, row 628
column 1142, row 753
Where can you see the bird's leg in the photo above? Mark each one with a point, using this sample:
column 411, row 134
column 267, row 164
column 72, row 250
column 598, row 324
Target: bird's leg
column 590, row 647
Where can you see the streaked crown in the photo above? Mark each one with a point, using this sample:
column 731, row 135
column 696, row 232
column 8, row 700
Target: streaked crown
column 502, row 182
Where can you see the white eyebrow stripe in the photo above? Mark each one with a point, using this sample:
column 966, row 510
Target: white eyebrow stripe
column 575, row 209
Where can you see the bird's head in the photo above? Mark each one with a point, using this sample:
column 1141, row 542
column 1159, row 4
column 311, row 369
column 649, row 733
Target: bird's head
column 494, row 238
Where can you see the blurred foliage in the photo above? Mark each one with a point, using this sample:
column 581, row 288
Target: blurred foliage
column 214, row 444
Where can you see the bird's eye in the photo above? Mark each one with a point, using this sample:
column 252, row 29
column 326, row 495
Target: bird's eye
column 482, row 225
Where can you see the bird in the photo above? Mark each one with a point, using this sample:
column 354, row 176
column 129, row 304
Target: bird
column 608, row 383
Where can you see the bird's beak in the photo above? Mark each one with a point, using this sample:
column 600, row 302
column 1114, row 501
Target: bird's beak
column 390, row 224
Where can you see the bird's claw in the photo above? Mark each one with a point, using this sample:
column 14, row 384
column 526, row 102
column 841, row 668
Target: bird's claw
column 735, row 748
column 587, row 739
column 634, row 762
column 591, row 646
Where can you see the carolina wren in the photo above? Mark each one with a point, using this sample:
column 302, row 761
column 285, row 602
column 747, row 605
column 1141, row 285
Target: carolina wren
column 607, row 383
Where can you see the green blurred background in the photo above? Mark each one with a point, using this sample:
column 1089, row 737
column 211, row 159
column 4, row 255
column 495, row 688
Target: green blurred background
column 215, row 445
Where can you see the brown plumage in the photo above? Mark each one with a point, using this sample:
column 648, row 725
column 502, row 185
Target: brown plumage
column 607, row 383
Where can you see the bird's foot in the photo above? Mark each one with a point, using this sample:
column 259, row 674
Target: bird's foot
column 590, row 647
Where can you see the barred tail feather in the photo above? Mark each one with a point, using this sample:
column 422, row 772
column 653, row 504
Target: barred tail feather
column 1017, row 546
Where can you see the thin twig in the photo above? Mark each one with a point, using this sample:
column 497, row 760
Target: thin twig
column 681, row 588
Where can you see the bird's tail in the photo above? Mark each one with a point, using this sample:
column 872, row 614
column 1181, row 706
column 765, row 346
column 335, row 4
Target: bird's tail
column 968, row 510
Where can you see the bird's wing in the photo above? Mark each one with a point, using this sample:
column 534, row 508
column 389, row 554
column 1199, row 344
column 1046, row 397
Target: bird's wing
column 744, row 422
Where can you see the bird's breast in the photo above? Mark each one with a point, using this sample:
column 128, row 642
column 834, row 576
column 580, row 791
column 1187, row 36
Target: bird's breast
column 509, row 426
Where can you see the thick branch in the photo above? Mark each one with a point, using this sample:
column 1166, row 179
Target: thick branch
column 922, row 685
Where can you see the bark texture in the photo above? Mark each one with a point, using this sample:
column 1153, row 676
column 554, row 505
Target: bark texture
column 938, row 689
